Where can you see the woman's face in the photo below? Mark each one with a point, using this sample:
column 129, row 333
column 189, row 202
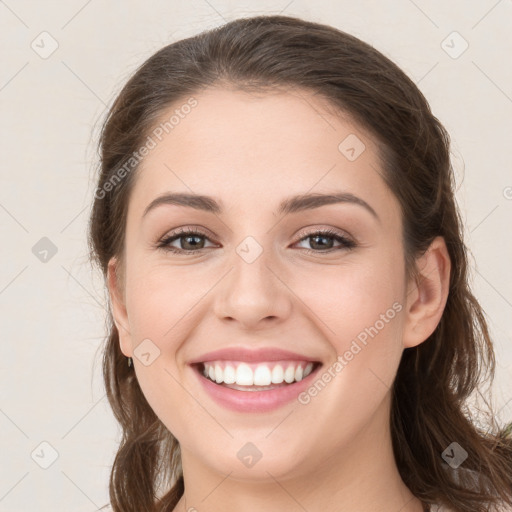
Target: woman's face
column 260, row 278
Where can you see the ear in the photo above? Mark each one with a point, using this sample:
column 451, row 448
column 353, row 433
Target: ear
column 115, row 288
column 426, row 298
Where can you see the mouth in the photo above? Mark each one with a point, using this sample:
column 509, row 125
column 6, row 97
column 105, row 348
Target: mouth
column 255, row 386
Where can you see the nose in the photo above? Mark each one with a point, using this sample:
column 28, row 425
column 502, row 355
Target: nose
column 253, row 294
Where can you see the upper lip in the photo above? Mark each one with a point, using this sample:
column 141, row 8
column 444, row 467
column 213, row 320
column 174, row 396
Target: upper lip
column 251, row 355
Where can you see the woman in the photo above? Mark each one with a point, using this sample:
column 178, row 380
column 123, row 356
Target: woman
column 291, row 324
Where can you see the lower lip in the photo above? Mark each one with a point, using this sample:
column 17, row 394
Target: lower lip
column 254, row 401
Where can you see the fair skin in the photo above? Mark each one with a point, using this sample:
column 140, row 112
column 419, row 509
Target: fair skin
column 250, row 152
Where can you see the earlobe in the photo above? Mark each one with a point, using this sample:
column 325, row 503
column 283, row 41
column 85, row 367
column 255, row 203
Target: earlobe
column 426, row 298
column 119, row 311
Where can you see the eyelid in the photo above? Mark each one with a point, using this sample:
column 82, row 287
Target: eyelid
column 329, row 230
column 191, row 228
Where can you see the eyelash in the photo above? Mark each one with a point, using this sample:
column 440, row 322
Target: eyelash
column 347, row 244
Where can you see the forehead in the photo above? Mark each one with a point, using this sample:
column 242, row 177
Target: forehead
column 254, row 149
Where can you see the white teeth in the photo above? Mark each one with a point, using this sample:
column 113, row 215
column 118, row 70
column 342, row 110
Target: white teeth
column 242, row 374
column 277, row 374
column 229, row 375
column 262, row 376
column 289, row 374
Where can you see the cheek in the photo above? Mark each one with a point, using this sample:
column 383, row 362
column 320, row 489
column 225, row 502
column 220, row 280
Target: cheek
column 164, row 306
column 160, row 297
column 160, row 305
column 346, row 301
column 360, row 315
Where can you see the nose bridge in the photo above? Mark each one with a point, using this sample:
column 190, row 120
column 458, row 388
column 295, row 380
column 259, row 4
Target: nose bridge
column 251, row 275
column 251, row 291
column 252, row 262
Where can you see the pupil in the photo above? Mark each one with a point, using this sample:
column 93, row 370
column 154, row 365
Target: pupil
column 194, row 245
column 321, row 237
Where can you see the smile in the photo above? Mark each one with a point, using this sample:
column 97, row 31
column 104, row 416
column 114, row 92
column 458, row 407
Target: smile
column 261, row 374
column 255, row 387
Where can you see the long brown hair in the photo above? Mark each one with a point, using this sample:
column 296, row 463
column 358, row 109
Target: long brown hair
column 436, row 379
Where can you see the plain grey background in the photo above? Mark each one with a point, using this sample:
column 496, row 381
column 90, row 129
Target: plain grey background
column 62, row 65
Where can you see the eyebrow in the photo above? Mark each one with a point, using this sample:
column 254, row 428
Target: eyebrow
column 292, row 204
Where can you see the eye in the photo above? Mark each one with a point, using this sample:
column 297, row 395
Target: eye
column 192, row 241
column 322, row 241
column 188, row 239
